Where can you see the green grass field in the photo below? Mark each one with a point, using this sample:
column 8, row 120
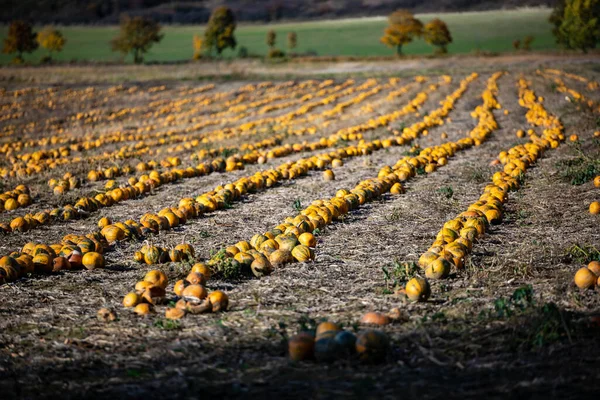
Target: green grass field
column 492, row 31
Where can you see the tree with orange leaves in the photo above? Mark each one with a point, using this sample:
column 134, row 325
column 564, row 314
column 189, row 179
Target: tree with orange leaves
column 403, row 28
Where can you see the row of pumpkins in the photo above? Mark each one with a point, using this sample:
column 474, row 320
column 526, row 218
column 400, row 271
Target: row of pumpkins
column 454, row 241
column 591, row 85
column 578, row 97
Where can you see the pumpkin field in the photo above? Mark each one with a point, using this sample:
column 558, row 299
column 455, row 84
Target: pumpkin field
column 398, row 235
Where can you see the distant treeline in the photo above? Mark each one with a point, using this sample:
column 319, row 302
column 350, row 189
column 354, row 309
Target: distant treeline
column 198, row 11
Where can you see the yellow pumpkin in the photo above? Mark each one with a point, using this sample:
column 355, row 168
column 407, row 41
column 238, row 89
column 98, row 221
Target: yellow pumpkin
column 438, row 269
column 93, row 260
column 417, row 289
column 157, row 278
column 307, row 239
column 303, row 253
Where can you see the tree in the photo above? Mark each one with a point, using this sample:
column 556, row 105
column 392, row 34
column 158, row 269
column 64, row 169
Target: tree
column 271, row 38
column 51, row 39
column 403, row 27
column 436, row 33
column 219, row 31
column 292, row 40
column 136, row 36
column 20, row 39
column 556, row 18
column 527, row 42
column 580, row 25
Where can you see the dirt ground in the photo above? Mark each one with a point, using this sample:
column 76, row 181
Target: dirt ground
column 471, row 339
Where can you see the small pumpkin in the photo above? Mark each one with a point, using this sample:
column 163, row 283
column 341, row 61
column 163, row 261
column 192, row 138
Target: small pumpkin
column 174, row 313
column 219, row 301
column 93, row 260
column 194, row 293
column 301, row 347
column 585, row 279
column 439, row 269
column 417, row 289
column 131, row 299
column 202, row 269
column 307, row 239
column 372, row 346
column 157, row 278
column 279, row 257
column 60, row 264
column 303, row 253
column 196, row 278
column 143, row 309
column 328, row 175
column 375, row 318
column 327, row 329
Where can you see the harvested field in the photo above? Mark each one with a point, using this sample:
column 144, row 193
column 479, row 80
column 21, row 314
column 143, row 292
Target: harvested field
column 431, row 163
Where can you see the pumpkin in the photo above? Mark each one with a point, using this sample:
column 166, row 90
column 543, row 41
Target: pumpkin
column 328, row 175
column 595, row 208
column 138, row 256
column 301, row 347
column 372, row 346
column 175, row 255
column 26, row 262
column 131, row 299
column 439, row 269
column 257, row 240
column 594, row 266
column 174, row 313
column 327, row 349
column 346, row 342
column 327, row 329
column 307, row 239
column 261, row 266
column 196, row 278
column 244, row 258
column 279, row 257
column 303, row 253
column 597, row 181
column 143, row 309
column 417, row 289
column 93, row 260
column 178, row 287
column 141, row 286
column 19, row 225
column 60, row 264
column 375, row 318
column 156, row 277
column 154, row 295
column 112, row 233
column 75, row 259
column 194, row 293
column 152, row 255
column 427, row 258
column 397, row 188
column 186, row 249
column 219, row 301
column 42, row 263
column 585, row 279
column 202, row 269
column 103, row 222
